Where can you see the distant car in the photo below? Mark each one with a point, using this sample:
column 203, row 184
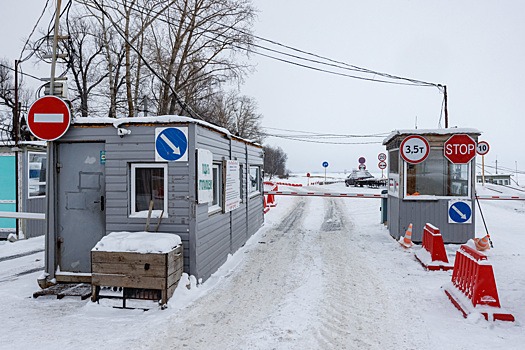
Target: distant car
column 354, row 178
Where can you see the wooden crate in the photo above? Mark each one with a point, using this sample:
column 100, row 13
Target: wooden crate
column 150, row 271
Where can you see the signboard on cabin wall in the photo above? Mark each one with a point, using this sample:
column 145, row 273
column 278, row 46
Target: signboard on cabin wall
column 171, row 144
column 204, row 176
column 232, row 188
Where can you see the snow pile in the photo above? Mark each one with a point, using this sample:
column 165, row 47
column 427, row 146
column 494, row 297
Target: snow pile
column 138, row 242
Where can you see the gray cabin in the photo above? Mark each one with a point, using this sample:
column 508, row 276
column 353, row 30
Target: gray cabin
column 22, row 188
column 167, row 174
column 426, row 186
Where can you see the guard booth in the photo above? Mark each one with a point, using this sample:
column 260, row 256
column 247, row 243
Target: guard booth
column 431, row 179
column 166, row 174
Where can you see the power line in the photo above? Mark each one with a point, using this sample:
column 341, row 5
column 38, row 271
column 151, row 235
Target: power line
column 334, row 63
column 22, row 73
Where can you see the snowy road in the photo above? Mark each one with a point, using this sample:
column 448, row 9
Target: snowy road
column 306, row 285
column 322, row 273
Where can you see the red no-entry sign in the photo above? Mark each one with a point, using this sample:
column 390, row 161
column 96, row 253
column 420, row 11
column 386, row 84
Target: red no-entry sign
column 48, row 118
column 460, row 149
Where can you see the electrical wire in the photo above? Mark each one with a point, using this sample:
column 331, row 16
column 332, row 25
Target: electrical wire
column 334, row 63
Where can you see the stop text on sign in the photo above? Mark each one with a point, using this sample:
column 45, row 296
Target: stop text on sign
column 460, row 149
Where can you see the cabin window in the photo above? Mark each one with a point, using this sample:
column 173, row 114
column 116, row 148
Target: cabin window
column 36, row 162
column 149, row 183
column 254, row 180
column 216, row 204
column 436, row 176
column 393, row 161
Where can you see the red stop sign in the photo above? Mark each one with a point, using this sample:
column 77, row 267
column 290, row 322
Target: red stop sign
column 460, row 149
column 48, row 118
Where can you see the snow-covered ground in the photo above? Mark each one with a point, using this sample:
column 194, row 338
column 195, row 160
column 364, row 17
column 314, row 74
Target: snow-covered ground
column 322, row 273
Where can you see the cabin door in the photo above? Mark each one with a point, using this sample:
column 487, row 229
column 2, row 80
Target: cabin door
column 81, row 218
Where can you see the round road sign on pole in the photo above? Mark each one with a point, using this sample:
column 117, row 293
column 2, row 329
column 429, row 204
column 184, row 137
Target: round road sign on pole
column 414, row 149
column 381, row 157
column 325, row 164
column 482, row 148
column 381, row 165
column 460, row 149
column 48, row 118
column 362, row 160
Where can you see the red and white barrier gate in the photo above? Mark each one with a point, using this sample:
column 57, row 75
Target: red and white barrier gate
column 433, row 255
column 473, row 287
column 326, row 194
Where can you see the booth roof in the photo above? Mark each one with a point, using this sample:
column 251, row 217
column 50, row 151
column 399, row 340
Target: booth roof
column 448, row 131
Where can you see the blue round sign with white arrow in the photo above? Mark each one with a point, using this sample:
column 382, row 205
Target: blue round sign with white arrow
column 171, row 144
column 325, row 164
column 459, row 212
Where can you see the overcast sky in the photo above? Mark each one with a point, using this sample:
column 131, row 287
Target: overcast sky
column 474, row 47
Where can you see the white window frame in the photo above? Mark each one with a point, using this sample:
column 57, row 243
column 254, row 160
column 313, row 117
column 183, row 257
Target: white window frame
column 140, row 214
column 436, row 197
column 215, row 205
column 40, row 183
column 254, row 192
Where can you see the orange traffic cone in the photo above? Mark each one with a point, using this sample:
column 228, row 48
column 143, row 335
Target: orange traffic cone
column 482, row 243
column 406, row 241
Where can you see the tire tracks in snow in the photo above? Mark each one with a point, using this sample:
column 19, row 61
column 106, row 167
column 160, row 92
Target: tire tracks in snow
column 243, row 311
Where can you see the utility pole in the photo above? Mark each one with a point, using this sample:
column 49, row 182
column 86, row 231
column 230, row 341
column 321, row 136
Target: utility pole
column 55, row 45
column 16, row 112
column 446, row 106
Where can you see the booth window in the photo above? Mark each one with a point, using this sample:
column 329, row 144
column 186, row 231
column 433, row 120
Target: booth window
column 436, row 176
column 149, row 183
column 254, row 182
column 36, row 174
column 215, row 205
column 393, row 161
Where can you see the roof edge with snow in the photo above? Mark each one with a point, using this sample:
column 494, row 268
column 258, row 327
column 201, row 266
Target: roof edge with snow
column 163, row 119
column 448, row 131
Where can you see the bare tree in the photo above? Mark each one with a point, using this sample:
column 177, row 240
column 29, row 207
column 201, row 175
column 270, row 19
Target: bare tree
column 234, row 112
column 196, row 49
column 274, row 161
column 7, row 100
column 85, row 60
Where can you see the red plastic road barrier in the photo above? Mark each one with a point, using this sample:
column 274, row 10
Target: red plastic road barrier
column 433, row 255
column 473, row 287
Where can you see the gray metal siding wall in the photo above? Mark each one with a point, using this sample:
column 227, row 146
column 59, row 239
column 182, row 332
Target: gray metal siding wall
column 138, row 147
column 436, row 213
column 238, row 217
column 213, row 239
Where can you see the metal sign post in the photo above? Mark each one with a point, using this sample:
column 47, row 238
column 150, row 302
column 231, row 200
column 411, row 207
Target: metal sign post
column 482, row 148
column 325, row 165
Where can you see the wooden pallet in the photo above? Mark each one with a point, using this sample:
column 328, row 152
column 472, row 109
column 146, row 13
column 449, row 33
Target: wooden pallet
column 137, row 273
column 61, row 290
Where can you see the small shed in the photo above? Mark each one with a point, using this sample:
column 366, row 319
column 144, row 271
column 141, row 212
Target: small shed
column 168, row 174
column 22, row 187
column 497, row 179
column 424, row 186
